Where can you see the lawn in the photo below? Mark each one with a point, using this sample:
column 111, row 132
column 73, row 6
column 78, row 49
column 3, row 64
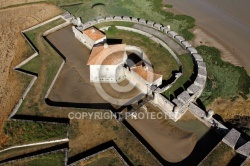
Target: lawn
column 24, row 132
column 55, row 159
column 188, row 69
column 221, row 155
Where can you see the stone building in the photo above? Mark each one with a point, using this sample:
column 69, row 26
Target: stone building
column 106, row 63
column 89, row 37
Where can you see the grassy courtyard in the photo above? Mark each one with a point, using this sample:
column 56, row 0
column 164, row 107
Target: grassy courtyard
column 161, row 59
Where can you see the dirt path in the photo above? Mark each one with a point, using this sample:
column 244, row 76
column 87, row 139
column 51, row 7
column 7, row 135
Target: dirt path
column 13, row 49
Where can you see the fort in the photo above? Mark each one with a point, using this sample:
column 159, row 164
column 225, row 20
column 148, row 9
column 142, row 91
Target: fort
column 140, row 75
column 176, row 108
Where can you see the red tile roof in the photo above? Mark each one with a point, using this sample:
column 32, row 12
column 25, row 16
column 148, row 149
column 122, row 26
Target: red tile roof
column 94, row 33
column 146, row 74
column 112, row 55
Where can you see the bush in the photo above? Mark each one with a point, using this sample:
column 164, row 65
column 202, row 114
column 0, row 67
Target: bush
column 224, row 79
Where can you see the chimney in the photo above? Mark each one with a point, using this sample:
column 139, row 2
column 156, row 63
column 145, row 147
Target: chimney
column 106, row 45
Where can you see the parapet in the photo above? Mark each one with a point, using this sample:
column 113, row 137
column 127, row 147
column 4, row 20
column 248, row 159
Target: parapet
column 179, row 39
column 118, row 18
column 200, row 81
column 158, row 26
column 101, row 20
column 202, row 72
column 192, row 89
column 142, row 21
column 198, row 57
column 231, row 138
column 172, row 34
column 183, row 97
column 134, row 19
column 110, row 18
column 126, row 18
column 201, row 65
column 192, row 50
column 186, row 44
column 150, row 23
column 244, row 149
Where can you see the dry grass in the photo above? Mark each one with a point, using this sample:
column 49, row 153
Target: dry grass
column 227, row 109
column 109, row 157
column 25, row 150
column 14, row 49
column 221, row 155
column 88, row 133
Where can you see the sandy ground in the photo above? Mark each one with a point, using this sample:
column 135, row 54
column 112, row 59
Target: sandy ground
column 227, row 23
column 13, row 47
column 171, row 142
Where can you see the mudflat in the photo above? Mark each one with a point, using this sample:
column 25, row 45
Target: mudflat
column 225, row 21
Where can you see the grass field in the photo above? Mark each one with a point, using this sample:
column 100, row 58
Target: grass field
column 161, row 59
column 89, row 133
column 55, row 159
column 221, row 155
column 24, row 132
column 25, row 150
column 188, row 69
column 109, row 157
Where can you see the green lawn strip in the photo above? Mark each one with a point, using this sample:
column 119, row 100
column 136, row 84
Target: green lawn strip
column 46, row 64
column 162, row 60
column 114, row 23
column 221, row 154
column 25, row 132
column 188, row 68
column 33, row 65
column 55, row 159
column 224, row 79
column 109, row 157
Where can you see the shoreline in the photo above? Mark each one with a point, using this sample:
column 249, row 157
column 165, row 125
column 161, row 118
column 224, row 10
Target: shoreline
column 220, row 26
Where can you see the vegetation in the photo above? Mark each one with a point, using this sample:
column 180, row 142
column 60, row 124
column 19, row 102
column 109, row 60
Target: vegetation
column 113, row 23
column 188, row 68
column 168, row 6
column 55, row 159
column 23, row 132
column 91, row 132
column 47, row 57
column 150, row 10
column 224, row 79
column 109, row 157
column 221, row 155
column 161, row 59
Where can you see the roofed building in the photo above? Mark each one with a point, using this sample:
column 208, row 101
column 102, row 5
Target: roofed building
column 89, row 37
